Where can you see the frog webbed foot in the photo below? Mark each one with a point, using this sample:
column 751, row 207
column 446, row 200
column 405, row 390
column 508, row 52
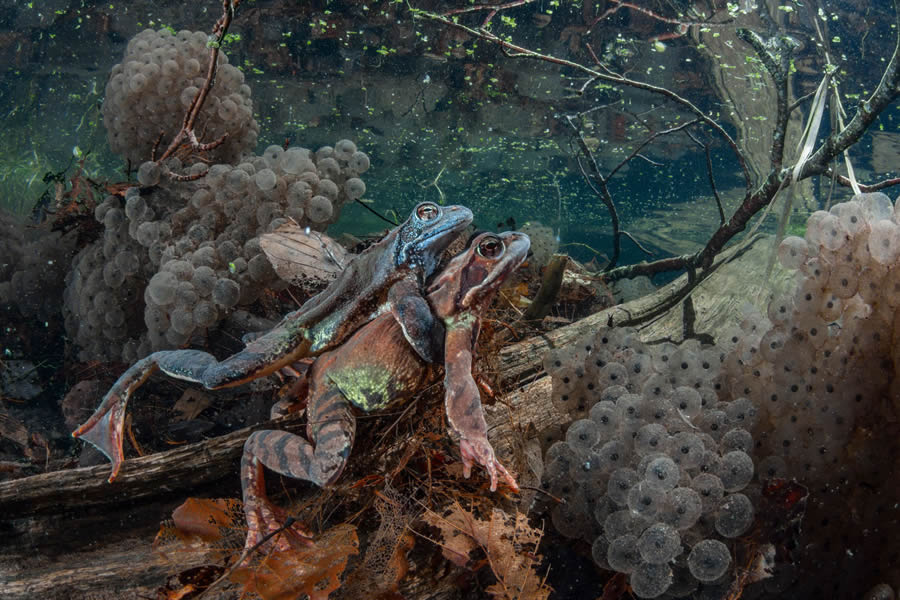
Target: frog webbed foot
column 266, row 519
column 479, row 450
column 105, row 427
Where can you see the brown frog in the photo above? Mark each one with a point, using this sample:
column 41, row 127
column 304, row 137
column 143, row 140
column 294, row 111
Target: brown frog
column 377, row 368
column 388, row 274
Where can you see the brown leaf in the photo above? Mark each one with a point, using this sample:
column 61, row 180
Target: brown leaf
column 299, row 254
column 509, row 542
column 314, row 570
column 213, row 527
column 189, row 583
column 190, row 405
column 205, row 517
column 459, row 530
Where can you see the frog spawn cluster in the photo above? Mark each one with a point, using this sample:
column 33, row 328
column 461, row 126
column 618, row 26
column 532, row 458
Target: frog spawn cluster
column 822, row 366
column 810, row 360
column 191, row 250
column 33, row 267
column 158, row 78
column 654, row 467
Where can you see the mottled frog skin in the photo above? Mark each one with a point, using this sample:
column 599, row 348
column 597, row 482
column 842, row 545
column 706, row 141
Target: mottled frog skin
column 376, row 368
column 391, row 272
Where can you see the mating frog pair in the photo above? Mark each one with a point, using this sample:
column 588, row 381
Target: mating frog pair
column 376, row 368
column 387, row 361
column 390, row 273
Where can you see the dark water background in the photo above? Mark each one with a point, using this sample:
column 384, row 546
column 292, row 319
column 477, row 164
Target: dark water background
column 449, row 119
column 459, row 105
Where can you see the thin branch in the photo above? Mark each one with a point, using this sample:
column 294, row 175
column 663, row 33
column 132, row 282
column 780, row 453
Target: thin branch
column 711, row 176
column 647, row 140
column 801, row 100
column 246, row 553
column 193, row 111
column 515, row 51
column 872, row 187
column 636, row 243
column 376, row 213
column 682, row 25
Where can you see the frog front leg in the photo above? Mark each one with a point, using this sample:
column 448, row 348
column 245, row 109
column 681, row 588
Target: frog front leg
column 423, row 332
column 462, row 403
column 331, row 430
column 279, row 348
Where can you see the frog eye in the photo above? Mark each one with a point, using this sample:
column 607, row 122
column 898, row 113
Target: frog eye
column 490, row 247
column 428, row 211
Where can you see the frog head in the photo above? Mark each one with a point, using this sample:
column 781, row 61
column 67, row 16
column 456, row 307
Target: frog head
column 470, row 281
column 424, row 236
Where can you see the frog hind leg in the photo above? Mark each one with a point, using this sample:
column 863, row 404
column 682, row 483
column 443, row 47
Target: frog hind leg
column 332, row 428
column 266, row 355
column 263, row 517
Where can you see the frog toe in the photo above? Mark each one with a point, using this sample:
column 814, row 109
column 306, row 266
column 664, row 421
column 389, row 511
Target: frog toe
column 270, row 528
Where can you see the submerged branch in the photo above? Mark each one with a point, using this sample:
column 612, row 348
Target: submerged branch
column 515, row 51
column 187, row 132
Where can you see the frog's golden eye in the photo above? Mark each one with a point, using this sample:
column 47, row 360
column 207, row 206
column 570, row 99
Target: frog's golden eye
column 428, row 211
column 490, row 247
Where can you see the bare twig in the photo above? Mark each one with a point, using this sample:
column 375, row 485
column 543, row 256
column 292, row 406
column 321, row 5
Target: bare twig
column 872, row 187
column 187, row 134
column 605, row 74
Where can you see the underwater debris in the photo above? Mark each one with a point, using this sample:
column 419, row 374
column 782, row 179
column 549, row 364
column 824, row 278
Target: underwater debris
column 508, row 541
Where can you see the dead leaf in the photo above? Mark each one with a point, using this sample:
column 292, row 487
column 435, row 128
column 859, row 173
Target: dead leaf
column 385, row 563
column 191, row 404
column 314, row 570
column 212, row 526
column 189, row 583
column 300, row 254
column 509, row 542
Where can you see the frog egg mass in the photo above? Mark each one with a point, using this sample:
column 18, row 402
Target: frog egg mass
column 177, row 256
column 685, row 436
column 159, row 76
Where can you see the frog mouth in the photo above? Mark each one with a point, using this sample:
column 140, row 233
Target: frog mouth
column 453, row 223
